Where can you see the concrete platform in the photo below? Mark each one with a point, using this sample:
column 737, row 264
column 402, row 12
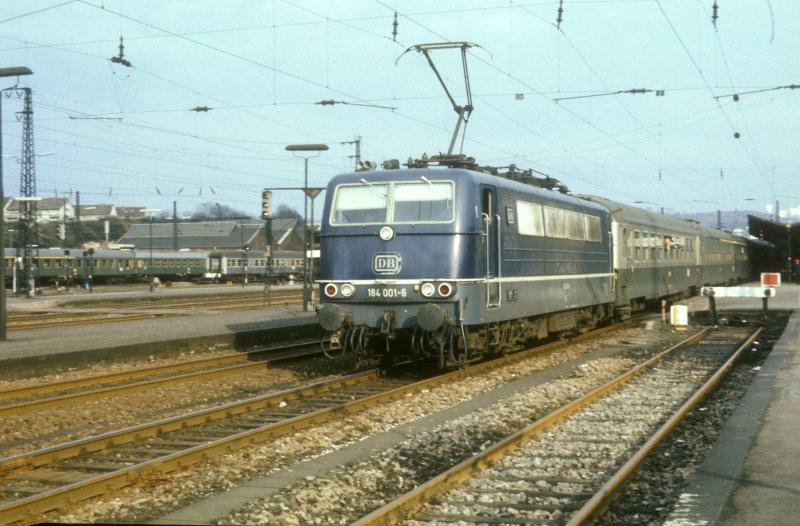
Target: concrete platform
column 49, row 348
column 752, row 474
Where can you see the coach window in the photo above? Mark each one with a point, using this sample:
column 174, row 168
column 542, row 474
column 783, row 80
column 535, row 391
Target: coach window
column 637, row 245
column 655, row 248
column 627, row 240
column 645, row 246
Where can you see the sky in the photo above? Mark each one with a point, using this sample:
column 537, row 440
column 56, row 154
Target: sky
column 550, row 95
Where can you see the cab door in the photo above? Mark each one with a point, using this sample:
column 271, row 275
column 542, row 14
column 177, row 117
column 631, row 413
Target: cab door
column 491, row 236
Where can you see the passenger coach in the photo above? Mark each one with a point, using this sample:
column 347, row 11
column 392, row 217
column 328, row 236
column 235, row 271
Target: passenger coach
column 663, row 257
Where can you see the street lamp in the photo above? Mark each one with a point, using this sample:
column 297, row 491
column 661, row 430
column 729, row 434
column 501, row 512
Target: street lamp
column 150, row 211
column 308, row 266
column 15, row 71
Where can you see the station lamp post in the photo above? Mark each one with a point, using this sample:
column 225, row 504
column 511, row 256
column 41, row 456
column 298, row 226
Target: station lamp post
column 150, row 212
column 16, row 71
column 306, row 151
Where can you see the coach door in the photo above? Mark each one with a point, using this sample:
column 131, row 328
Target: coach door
column 491, row 236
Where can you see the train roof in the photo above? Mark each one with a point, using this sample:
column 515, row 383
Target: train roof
column 256, row 253
column 457, row 174
column 106, row 253
column 645, row 218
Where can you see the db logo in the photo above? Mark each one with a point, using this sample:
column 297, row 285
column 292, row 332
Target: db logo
column 387, row 263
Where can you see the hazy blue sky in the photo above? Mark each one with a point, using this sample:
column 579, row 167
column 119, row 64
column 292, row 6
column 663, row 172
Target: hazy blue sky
column 128, row 135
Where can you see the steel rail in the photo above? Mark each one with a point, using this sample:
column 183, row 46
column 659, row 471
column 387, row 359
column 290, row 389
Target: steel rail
column 400, row 508
column 84, row 318
column 90, row 321
column 23, row 317
column 140, row 372
column 602, row 498
column 94, row 486
column 105, row 392
column 168, row 300
column 97, row 485
column 48, row 455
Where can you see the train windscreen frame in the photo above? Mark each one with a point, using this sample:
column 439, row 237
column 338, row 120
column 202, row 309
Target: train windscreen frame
column 394, row 202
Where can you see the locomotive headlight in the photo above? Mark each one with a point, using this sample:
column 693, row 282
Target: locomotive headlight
column 347, row 290
column 445, row 289
column 386, row 233
column 331, row 290
column 428, row 289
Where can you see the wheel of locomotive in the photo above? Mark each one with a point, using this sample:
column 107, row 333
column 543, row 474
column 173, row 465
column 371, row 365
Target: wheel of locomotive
column 501, row 340
column 351, row 335
column 416, row 342
column 441, row 353
column 450, row 339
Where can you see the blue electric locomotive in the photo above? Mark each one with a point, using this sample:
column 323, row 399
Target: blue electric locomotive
column 451, row 264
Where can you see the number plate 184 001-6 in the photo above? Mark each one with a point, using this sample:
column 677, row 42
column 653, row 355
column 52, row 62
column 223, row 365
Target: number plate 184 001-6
column 387, row 292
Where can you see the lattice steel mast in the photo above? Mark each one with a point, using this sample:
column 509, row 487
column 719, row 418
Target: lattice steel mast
column 27, row 226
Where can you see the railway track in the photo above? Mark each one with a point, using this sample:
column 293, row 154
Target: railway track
column 116, row 312
column 61, row 319
column 564, row 468
column 39, row 481
column 42, row 480
column 81, row 390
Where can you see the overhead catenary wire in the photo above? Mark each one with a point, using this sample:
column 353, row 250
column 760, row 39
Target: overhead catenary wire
column 487, row 144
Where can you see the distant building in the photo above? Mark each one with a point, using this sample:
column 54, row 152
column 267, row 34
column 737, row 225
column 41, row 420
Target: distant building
column 53, row 209
column 131, row 212
column 221, row 235
column 97, row 212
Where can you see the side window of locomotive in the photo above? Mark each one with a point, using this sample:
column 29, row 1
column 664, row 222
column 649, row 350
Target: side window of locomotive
column 575, row 226
column 593, row 228
column 529, row 219
column 488, row 206
column 424, row 202
column 555, row 222
column 360, row 204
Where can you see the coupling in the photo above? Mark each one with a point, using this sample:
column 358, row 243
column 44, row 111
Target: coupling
column 431, row 316
column 331, row 317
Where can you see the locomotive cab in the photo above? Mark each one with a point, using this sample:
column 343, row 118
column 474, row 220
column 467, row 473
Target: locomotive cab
column 452, row 264
column 401, row 249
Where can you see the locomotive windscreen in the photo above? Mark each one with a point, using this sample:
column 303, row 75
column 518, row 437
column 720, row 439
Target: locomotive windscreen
column 399, row 202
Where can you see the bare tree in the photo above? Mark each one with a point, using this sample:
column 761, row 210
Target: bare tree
column 210, row 211
column 287, row 212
